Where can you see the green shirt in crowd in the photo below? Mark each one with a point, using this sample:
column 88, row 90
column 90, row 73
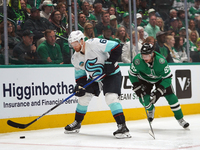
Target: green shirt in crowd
column 46, row 50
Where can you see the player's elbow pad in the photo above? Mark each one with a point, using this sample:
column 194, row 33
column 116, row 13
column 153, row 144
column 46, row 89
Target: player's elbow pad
column 115, row 53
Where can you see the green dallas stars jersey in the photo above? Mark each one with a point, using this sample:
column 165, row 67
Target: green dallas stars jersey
column 158, row 71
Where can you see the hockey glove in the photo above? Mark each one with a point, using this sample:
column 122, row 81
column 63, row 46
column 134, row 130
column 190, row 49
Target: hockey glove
column 157, row 93
column 79, row 90
column 109, row 67
column 139, row 89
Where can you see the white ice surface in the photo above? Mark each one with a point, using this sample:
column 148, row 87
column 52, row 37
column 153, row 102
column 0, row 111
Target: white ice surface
column 169, row 136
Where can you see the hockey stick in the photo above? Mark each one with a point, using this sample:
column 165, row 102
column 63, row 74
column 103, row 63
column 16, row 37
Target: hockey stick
column 150, row 131
column 23, row 126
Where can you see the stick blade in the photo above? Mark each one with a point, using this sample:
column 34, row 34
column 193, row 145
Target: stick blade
column 152, row 134
column 16, row 125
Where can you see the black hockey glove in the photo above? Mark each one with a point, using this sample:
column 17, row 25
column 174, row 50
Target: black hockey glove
column 109, row 67
column 157, row 93
column 139, row 89
column 79, row 90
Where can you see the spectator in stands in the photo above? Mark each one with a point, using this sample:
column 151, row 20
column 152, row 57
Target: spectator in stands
column 181, row 16
column 125, row 23
column 98, row 11
column 37, row 25
column 192, row 27
column 77, row 9
column 179, row 4
column 171, row 32
column 160, row 23
column 151, row 11
column 13, row 38
column 17, row 14
column 105, row 21
column 121, row 36
column 122, row 8
column 62, row 9
column 139, row 19
column 182, row 32
column 49, row 51
column 112, row 11
column 142, row 34
column 89, row 16
column 178, row 46
column 161, row 48
column 25, row 51
column 150, row 40
column 193, row 37
column 198, row 24
column 88, row 31
column 172, row 14
column 57, row 23
column 194, row 10
column 151, row 27
column 107, row 33
column 170, row 41
column 126, row 52
column 144, row 8
column 47, row 8
column 180, row 24
column 24, row 6
column 28, row 5
column 105, row 4
column 113, row 23
column 114, row 3
column 81, row 21
column 174, row 25
column 198, row 44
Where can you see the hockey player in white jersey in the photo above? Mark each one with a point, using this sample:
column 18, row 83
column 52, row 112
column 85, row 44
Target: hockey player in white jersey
column 95, row 57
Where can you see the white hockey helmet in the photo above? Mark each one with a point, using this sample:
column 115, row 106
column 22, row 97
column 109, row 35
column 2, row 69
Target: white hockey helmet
column 75, row 36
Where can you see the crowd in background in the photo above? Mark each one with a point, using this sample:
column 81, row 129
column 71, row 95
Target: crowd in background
column 38, row 30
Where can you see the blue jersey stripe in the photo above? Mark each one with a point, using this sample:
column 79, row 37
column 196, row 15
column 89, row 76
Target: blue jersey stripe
column 115, row 108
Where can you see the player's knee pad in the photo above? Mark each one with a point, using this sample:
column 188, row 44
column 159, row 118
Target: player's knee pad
column 85, row 100
column 111, row 98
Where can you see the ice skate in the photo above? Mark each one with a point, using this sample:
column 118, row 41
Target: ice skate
column 151, row 115
column 183, row 123
column 122, row 132
column 73, row 127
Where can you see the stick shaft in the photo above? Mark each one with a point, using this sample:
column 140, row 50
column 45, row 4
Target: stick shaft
column 152, row 133
column 23, row 126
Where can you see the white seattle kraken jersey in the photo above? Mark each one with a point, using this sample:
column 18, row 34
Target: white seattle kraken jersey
column 92, row 62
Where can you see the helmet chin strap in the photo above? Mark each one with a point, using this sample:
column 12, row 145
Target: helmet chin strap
column 81, row 48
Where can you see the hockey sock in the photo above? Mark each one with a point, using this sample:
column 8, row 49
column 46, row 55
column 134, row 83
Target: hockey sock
column 174, row 105
column 117, row 112
column 80, row 112
column 147, row 103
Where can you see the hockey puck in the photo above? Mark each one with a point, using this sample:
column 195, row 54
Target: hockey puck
column 22, row 137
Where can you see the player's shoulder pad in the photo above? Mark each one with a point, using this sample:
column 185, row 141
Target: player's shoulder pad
column 161, row 60
column 137, row 60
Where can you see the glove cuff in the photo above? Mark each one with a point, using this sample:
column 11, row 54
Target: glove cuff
column 161, row 89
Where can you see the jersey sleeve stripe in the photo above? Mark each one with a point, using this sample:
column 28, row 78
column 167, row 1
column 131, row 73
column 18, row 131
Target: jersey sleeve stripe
column 110, row 45
column 132, row 73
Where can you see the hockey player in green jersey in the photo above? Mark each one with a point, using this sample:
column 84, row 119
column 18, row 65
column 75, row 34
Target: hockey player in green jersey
column 149, row 68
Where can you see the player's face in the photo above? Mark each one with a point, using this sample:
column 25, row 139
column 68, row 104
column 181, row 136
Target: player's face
column 76, row 46
column 147, row 58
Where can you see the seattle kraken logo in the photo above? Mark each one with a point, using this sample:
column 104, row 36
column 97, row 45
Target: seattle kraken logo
column 90, row 66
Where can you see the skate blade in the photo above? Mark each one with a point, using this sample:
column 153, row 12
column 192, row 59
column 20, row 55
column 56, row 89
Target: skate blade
column 123, row 135
column 72, row 132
